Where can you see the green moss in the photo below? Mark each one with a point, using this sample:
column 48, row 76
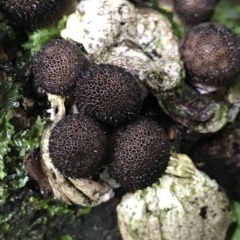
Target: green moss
column 178, row 29
column 27, row 216
column 52, row 207
column 43, row 36
column 14, row 146
column 24, row 214
column 84, row 211
column 236, row 219
column 6, row 32
column 66, row 237
column 6, row 130
column 227, row 14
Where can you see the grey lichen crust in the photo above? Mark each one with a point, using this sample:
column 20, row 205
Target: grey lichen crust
column 184, row 204
column 84, row 192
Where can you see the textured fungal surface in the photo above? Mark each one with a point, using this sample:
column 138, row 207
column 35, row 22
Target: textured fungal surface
column 58, row 65
column 193, row 12
column 35, row 14
column 109, row 93
column 141, row 154
column 211, row 54
column 77, row 146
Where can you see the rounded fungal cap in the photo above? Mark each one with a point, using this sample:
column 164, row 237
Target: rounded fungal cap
column 109, row 93
column 141, row 154
column 77, row 146
column 211, row 54
column 58, row 65
column 35, row 14
column 194, row 12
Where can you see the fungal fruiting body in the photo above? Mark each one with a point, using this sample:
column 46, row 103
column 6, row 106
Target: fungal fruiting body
column 35, row 14
column 140, row 154
column 194, row 12
column 57, row 67
column 77, row 146
column 211, row 54
column 109, row 93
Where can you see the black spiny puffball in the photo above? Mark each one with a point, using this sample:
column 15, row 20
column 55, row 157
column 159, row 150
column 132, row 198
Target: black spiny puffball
column 35, row 14
column 211, row 53
column 140, row 154
column 109, row 93
column 58, row 65
column 77, row 146
column 194, row 12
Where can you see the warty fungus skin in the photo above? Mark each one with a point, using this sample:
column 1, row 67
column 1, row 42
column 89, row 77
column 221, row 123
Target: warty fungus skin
column 194, row 12
column 109, row 93
column 35, row 14
column 77, row 146
column 140, row 154
column 211, row 53
column 57, row 67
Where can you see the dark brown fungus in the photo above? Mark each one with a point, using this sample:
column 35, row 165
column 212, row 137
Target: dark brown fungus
column 109, row 93
column 57, row 67
column 77, row 146
column 194, row 12
column 35, row 14
column 140, row 154
column 211, row 53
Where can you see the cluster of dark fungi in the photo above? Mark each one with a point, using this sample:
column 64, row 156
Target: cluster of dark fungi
column 108, row 128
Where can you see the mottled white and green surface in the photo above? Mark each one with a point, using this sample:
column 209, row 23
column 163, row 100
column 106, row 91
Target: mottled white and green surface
column 184, row 204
